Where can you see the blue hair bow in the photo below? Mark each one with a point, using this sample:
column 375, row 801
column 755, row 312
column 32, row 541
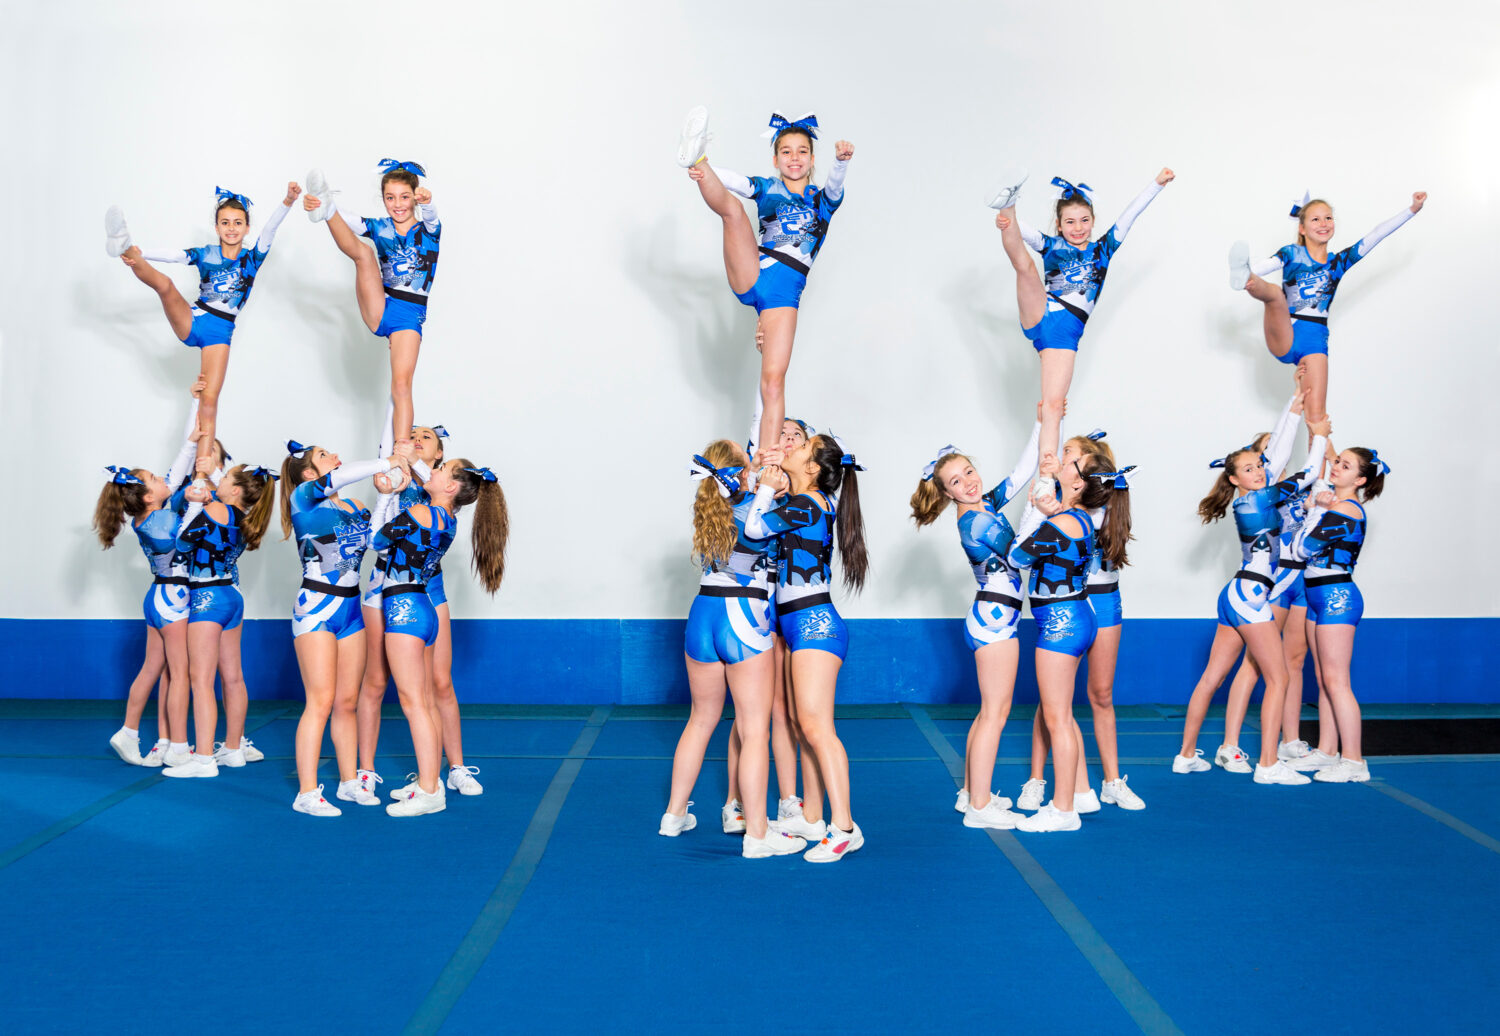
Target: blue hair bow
column 932, row 465
column 123, row 476
column 221, row 196
column 1380, row 465
column 439, row 431
column 1298, row 206
column 780, row 124
column 1096, row 435
column 1121, row 478
column 387, row 164
column 295, row 448
column 260, row 472
column 726, row 479
column 485, row 474
column 1067, row 191
column 847, row 460
column 1249, row 448
column 807, row 430
column 227, row 457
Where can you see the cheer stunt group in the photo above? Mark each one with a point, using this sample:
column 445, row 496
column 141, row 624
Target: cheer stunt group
column 195, row 522
column 767, row 515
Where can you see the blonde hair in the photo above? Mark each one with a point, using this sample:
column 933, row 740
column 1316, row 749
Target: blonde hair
column 714, row 531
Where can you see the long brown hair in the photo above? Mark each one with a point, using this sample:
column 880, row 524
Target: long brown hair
column 491, row 525
column 930, row 498
column 1114, row 533
column 1369, row 470
column 292, row 470
column 115, row 502
column 1216, row 504
column 834, row 477
column 714, row 531
column 257, row 502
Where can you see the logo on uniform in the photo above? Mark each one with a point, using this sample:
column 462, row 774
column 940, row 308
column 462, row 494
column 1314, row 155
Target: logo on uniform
column 202, row 602
column 404, row 265
column 1059, row 625
column 816, row 625
column 1340, row 600
column 400, row 612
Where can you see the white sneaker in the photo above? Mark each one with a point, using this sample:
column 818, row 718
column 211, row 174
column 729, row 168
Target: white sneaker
column 156, row 755
column 1314, row 760
column 233, row 757
column 1288, row 751
column 405, row 789
column 992, row 814
column 1031, row 795
column 791, row 806
column 418, row 803
column 1239, row 265
column 116, row 234
column 1118, row 793
column 776, row 843
column 314, row 804
column 196, row 766
column 252, row 754
column 961, row 804
column 799, row 825
column 1279, row 773
column 461, row 779
column 317, row 186
column 835, row 845
column 1194, row 763
column 355, row 791
column 1344, row 771
column 694, row 140
column 732, row 818
column 367, row 780
column 1086, row 801
column 174, row 758
column 127, row 746
column 1050, row 818
column 1232, row 759
column 1004, row 196
column 672, row 825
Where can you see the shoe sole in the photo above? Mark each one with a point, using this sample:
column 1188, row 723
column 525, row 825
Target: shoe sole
column 437, row 809
column 694, row 126
column 137, row 761
column 1122, row 805
column 1239, row 265
column 991, row 827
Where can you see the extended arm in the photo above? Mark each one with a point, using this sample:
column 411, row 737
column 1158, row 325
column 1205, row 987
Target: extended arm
column 834, row 185
column 182, row 466
column 762, row 522
column 166, row 255
column 430, row 218
column 268, row 232
column 1365, row 244
column 735, row 183
column 1034, row 238
column 1267, row 266
column 1290, row 487
column 1134, row 209
column 1279, row 449
column 1021, row 474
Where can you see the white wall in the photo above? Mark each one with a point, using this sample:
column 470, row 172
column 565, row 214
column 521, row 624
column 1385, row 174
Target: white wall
column 582, row 334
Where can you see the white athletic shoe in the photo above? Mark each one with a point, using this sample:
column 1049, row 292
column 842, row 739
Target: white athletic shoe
column 175, row 758
column 196, row 766
column 232, row 757
column 776, row 843
column 992, row 814
column 1004, row 196
column 419, row 802
column 356, row 792
column 791, row 806
column 1289, row 751
column 1050, row 818
column 252, row 754
column 156, row 755
column 127, row 746
column 694, row 140
column 1232, row 759
column 461, row 779
column 316, row 185
column 1086, row 801
column 961, row 804
column 1118, row 793
column 1194, row 763
column 732, row 818
column 802, row 827
column 1031, row 795
column 1279, row 773
column 1239, row 265
column 835, row 845
column 367, row 780
column 672, row 825
column 1313, row 760
column 315, row 805
column 1344, row 771
column 116, row 234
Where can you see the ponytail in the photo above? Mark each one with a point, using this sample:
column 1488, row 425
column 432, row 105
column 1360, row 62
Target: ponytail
column 930, row 499
column 1372, row 470
column 1112, row 494
column 491, row 527
column 258, row 500
column 1216, row 504
column 292, row 470
column 115, row 502
column 714, row 531
column 835, row 478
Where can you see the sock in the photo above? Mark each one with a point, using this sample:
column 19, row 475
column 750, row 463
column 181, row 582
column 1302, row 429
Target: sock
column 209, row 758
column 178, row 746
column 131, row 732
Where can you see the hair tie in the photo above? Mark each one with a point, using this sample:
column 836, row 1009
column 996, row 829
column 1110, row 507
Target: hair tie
column 932, row 465
column 295, row 448
column 1298, row 206
column 387, row 164
column 1249, row 448
column 780, row 124
column 260, row 472
column 122, row 476
column 484, row 474
column 439, row 431
column 726, row 480
column 846, row 458
column 1380, row 466
column 221, row 196
column 1096, row 435
column 1120, row 478
column 1067, row 191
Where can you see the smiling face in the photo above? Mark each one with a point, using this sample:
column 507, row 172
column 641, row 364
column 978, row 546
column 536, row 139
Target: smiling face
column 1316, row 223
column 231, row 223
column 794, row 156
column 1344, row 473
column 1075, row 221
column 1248, row 471
column 400, row 201
column 958, row 479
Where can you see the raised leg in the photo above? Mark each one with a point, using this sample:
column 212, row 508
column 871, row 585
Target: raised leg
column 1031, row 296
column 178, row 310
column 741, row 250
column 369, row 290
column 1278, row 321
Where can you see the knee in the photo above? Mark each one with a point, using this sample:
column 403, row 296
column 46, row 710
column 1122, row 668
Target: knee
column 401, row 387
column 772, row 385
column 442, row 689
column 1102, row 697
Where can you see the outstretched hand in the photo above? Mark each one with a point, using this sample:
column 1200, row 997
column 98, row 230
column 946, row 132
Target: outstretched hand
column 1165, row 177
column 1417, row 201
column 423, row 196
column 293, row 192
column 843, row 150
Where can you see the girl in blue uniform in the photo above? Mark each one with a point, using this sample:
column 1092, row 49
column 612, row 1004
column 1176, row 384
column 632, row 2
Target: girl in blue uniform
column 328, row 632
column 1245, row 614
column 1054, row 308
column 771, row 272
column 1296, row 312
column 990, row 627
column 411, row 543
column 1058, row 551
column 1330, row 541
column 226, row 274
column 813, row 475
column 214, row 533
column 155, row 507
column 393, row 283
column 729, row 639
